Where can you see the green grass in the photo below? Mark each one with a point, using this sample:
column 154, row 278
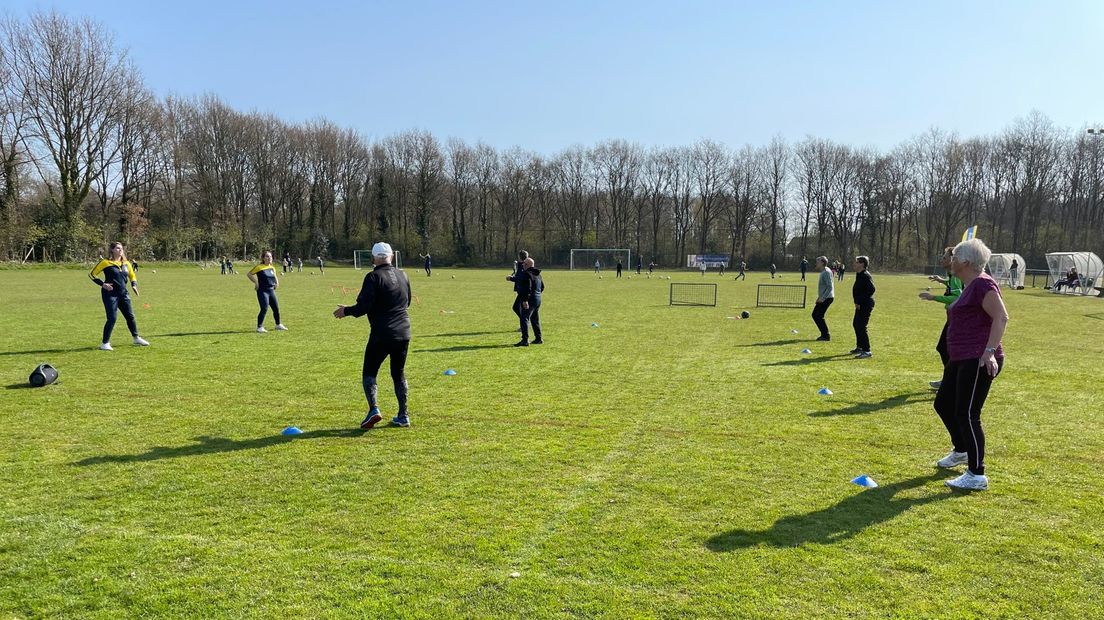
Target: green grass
column 669, row 463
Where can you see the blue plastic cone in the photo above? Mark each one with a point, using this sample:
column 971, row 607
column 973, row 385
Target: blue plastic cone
column 865, row 481
column 292, row 430
column 805, row 351
column 450, row 372
column 824, row 391
column 594, row 325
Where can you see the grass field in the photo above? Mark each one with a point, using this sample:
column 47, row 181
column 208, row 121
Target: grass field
column 671, row 462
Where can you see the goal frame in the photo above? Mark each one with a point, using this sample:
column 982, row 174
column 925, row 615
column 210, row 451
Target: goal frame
column 699, row 285
column 628, row 255
column 359, row 262
column 760, row 303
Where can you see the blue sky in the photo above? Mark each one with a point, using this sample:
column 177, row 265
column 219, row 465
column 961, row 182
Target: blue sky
column 550, row 74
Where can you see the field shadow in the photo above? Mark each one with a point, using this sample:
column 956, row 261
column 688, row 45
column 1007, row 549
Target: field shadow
column 18, row 386
column 215, row 333
column 213, row 445
column 804, row 361
column 43, row 351
column 860, row 408
column 774, row 343
column 465, row 347
column 453, row 334
column 836, row 523
column 1096, row 315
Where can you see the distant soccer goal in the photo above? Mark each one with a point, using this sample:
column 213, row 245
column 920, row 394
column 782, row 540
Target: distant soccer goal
column 780, row 296
column 363, row 258
column 693, row 294
column 606, row 258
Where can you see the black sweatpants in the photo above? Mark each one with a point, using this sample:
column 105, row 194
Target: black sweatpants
column 861, row 320
column 958, row 403
column 819, row 309
column 530, row 317
column 267, row 297
column 112, row 305
column 941, row 346
column 374, row 354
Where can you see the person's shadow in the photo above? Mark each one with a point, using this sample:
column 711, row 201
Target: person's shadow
column 835, row 523
column 898, row 400
column 210, row 445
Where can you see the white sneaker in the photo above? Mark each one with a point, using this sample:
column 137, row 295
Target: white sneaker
column 969, row 482
column 281, row 328
column 262, row 330
column 953, row 459
column 106, row 347
column 140, row 341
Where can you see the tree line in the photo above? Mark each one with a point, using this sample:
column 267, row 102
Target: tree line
column 89, row 154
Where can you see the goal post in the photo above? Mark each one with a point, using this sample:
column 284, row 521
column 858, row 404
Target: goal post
column 780, row 296
column 363, row 259
column 584, row 258
column 693, row 294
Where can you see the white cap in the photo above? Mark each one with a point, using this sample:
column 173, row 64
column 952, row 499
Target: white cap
column 381, row 249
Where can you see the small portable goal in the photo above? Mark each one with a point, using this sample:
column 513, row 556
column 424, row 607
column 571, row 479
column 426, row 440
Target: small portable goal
column 693, row 294
column 780, row 296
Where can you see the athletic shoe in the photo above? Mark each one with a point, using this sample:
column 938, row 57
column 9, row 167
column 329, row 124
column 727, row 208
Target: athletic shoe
column 969, row 482
column 281, row 328
column 953, row 459
column 371, row 419
column 402, row 421
column 140, row 341
column 521, row 344
column 106, row 347
column 935, row 385
column 865, row 355
column 824, row 339
column 261, row 330
column 855, row 351
column 537, row 341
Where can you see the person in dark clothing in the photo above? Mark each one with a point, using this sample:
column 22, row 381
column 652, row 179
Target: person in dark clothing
column 863, row 293
column 804, row 267
column 264, row 279
column 428, row 265
column 842, row 268
column 385, row 297
column 321, row 266
column 286, row 266
column 773, row 270
column 618, row 268
column 651, row 267
column 530, row 287
column 230, row 266
column 112, row 275
column 741, row 275
column 639, row 265
column 826, row 294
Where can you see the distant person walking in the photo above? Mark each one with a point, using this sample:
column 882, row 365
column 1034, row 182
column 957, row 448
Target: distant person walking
column 651, row 267
column 1014, row 274
column 230, row 267
column 112, row 274
column 287, row 261
column 427, row 264
column 222, row 266
column 863, row 294
column 951, row 292
column 976, row 323
column 597, row 266
column 385, row 297
column 639, row 265
column 826, row 294
column 842, row 268
column 618, row 268
column 321, row 266
column 702, row 266
column 263, row 277
column 773, row 269
column 529, row 286
column 300, row 264
column 804, row 267
column 741, row 275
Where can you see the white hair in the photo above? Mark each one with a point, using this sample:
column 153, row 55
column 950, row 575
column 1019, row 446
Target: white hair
column 973, row 251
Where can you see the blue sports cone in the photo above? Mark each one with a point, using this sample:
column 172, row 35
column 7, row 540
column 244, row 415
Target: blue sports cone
column 291, row 430
column 806, row 352
column 450, row 372
column 594, row 325
column 865, row 481
column 824, row 392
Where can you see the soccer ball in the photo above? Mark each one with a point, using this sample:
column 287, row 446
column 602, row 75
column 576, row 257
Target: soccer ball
column 453, row 277
column 599, row 277
column 745, row 315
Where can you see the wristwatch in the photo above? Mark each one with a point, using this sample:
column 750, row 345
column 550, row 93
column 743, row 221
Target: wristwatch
column 990, row 350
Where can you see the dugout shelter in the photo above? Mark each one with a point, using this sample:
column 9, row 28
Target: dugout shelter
column 1089, row 267
column 1000, row 267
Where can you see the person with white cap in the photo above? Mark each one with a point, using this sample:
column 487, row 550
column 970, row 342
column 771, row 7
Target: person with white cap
column 385, row 298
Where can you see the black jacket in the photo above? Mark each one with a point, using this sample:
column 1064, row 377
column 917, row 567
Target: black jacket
column 384, row 297
column 529, row 285
column 863, row 289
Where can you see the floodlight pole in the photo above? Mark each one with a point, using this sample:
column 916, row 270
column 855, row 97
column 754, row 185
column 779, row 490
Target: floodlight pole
column 1096, row 133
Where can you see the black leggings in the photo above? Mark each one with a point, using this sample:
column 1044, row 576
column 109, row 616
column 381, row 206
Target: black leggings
column 267, row 297
column 958, row 403
column 112, row 305
column 374, row 354
column 861, row 320
column 819, row 309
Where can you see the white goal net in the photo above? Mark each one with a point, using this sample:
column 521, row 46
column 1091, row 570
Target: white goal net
column 362, row 259
column 604, row 258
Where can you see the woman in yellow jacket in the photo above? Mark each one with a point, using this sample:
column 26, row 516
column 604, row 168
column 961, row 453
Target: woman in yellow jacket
column 112, row 275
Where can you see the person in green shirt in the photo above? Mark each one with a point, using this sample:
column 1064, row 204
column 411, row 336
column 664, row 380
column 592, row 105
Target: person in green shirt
column 950, row 294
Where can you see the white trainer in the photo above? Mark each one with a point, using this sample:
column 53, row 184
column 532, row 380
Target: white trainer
column 106, row 347
column 281, row 328
column 140, row 341
column 969, row 482
column 261, row 330
column 953, row 459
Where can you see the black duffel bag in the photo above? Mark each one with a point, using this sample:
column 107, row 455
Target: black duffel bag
column 44, row 374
